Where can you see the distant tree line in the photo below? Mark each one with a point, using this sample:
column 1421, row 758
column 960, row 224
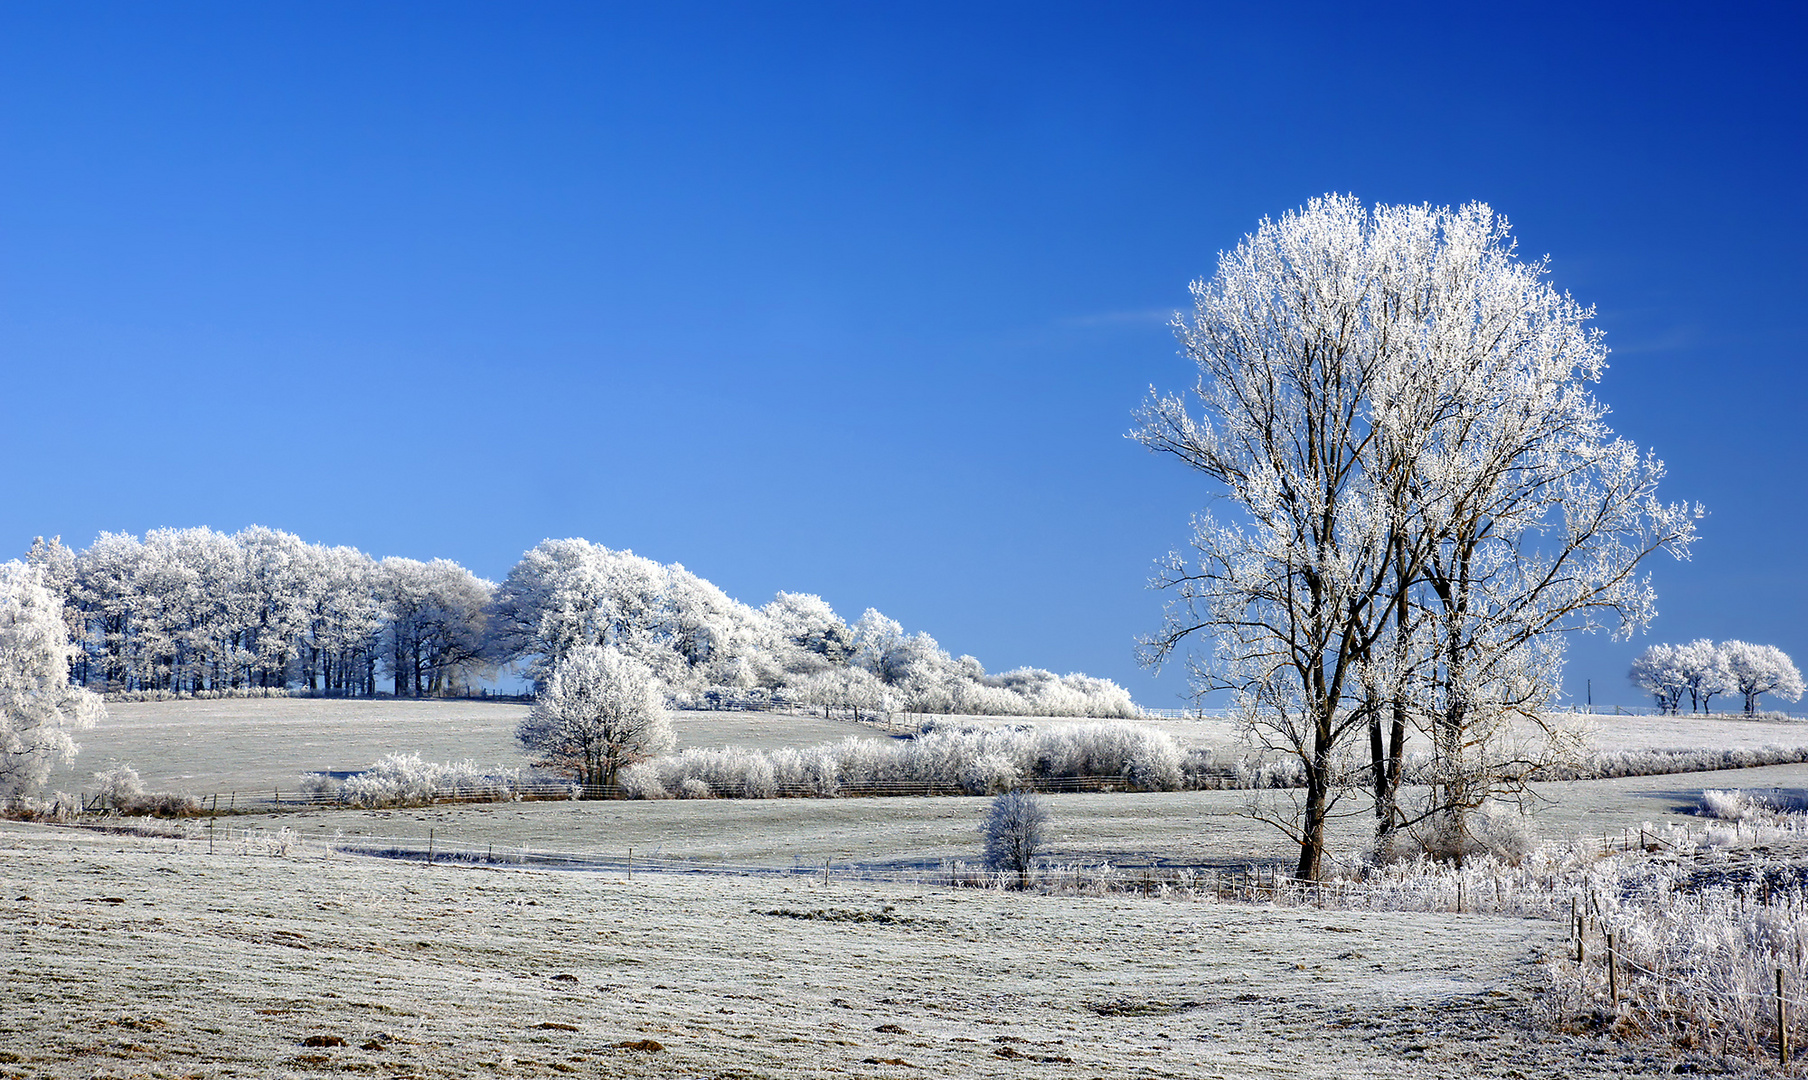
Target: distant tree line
column 196, row 611
column 190, row 611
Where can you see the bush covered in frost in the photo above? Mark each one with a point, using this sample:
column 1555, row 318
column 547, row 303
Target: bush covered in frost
column 122, row 791
column 406, row 780
column 1013, row 828
column 1494, row 830
column 1761, row 806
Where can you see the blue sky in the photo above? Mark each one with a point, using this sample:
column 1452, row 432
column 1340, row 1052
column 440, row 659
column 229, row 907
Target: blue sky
column 843, row 299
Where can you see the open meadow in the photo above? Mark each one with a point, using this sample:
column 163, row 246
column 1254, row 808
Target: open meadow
column 260, row 745
column 127, row 956
column 280, row 952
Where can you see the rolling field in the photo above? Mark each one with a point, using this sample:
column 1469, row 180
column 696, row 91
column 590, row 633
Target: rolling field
column 136, row 957
column 238, row 744
column 261, row 745
column 142, row 957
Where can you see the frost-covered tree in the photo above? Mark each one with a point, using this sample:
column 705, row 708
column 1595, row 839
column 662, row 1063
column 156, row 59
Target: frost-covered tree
column 599, row 711
column 565, row 594
column 1761, row 669
column 1704, row 672
column 434, row 613
column 1659, row 672
column 1013, row 828
column 39, row 710
column 1423, row 498
column 807, row 636
column 340, row 642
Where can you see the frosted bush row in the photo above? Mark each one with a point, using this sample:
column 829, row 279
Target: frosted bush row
column 1609, row 764
column 1023, row 692
column 974, row 761
column 1272, row 771
column 404, row 780
column 200, row 695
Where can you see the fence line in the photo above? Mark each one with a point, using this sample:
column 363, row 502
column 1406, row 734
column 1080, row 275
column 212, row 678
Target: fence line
column 1252, row 883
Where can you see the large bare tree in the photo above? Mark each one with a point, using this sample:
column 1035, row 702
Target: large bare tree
column 1422, row 498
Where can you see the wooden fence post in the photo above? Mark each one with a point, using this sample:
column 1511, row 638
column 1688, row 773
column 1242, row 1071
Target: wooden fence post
column 1613, row 973
column 429, row 847
column 1782, row 1023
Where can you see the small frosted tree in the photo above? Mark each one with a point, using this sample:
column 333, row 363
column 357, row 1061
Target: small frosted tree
column 1658, row 671
column 1761, row 669
column 1013, row 830
column 599, row 711
column 39, row 710
column 1704, row 672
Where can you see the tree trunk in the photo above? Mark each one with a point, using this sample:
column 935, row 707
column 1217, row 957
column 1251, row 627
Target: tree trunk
column 1318, row 800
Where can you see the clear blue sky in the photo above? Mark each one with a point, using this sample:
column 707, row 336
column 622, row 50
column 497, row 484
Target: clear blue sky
column 843, row 299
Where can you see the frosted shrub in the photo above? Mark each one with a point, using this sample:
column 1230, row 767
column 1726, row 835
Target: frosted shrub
column 406, row 780
column 61, row 806
column 121, row 789
column 641, row 781
column 1013, row 829
column 1498, row 831
column 1736, row 805
column 1728, row 805
column 987, row 774
column 118, row 785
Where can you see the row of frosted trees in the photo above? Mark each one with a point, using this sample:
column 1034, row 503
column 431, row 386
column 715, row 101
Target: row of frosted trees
column 1702, row 669
column 195, row 611
column 698, row 641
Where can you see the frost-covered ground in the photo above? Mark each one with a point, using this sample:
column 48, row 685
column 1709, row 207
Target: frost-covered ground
column 258, row 745
column 1730, row 731
column 239, row 744
column 1198, row 828
column 127, row 956
column 133, row 957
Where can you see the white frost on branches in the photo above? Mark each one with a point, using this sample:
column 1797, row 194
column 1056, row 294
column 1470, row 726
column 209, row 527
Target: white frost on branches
column 1424, row 495
column 1702, row 669
column 40, row 712
column 598, row 712
column 1761, row 669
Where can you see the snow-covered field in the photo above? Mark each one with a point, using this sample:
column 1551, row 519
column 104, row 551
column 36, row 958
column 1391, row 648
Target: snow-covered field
column 257, row 746
column 239, row 744
column 134, row 957
column 1731, row 732
column 127, row 956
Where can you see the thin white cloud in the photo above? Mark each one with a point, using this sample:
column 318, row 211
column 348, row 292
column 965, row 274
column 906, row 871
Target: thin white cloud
column 1146, row 317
